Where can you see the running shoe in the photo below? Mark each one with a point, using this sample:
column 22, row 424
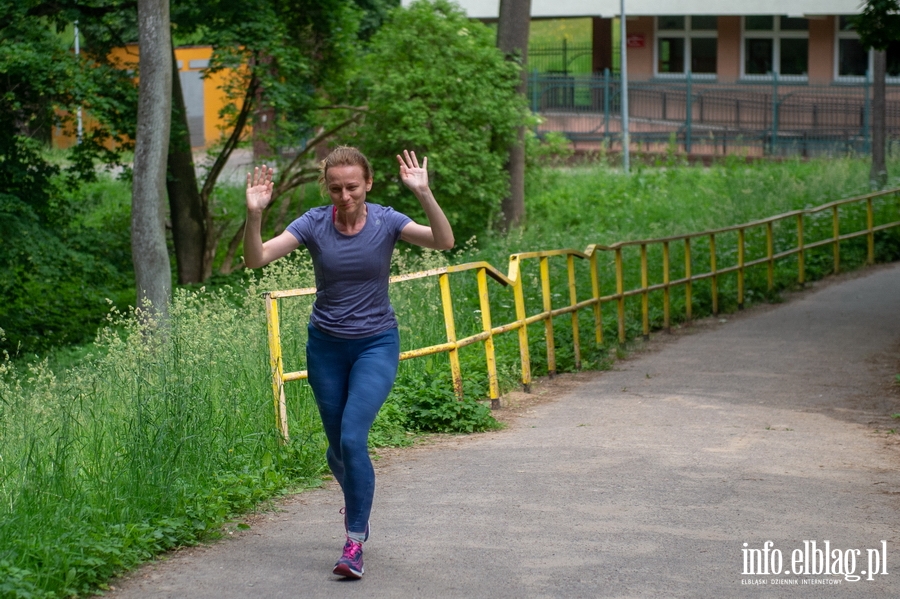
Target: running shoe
column 351, row 563
column 347, row 530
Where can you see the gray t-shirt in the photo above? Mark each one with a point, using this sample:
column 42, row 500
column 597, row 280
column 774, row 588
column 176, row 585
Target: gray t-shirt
column 352, row 271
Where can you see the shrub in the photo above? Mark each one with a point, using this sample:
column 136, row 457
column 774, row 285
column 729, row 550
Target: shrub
column 60, row 270
column 429, row 405
column 439, row 86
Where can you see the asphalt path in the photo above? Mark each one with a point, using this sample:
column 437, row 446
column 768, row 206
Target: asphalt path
column 660, row 478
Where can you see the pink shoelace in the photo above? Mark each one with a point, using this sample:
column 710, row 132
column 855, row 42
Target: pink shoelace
column 352, row 549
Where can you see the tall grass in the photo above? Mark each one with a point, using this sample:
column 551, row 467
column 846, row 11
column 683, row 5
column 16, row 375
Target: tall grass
column 577, row 206
column 155, row 438
column 151, row 442
column 595, row 204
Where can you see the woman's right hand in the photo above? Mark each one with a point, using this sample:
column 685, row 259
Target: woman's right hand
column 259, row 196
column 259, row 188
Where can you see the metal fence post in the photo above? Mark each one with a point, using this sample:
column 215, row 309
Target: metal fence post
column 489, row 356
column 688, row 284
column 870, row 238
column 595, row 289
column 836, row 230
column 689, row 114
column 450, row 327
column 548, row 309
column 645, row 294
column 774, row 142
column 770, row 256
column 277, row 367
column 620, row 293
column 524, row 353
column 801, row 257
column 534, row 91
column 606, row 103
column 714, row 280
column 741, row 246
column 666, row 298
column 573, row 299
column 867, row 114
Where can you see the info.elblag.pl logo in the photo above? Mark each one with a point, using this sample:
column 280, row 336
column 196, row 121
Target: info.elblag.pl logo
column 813, row 559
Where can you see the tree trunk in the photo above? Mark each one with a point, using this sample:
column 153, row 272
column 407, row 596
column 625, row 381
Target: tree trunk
column 153, row 275
column 187, row 210
column 878, row 174
column 212, row 232
column 512, row 40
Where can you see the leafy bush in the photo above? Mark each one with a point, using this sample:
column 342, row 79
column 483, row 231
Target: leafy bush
column 438, row 85
column 429, row 405
column 551, row 150
column 56, row 274
column 391, row 426
column 61, row 270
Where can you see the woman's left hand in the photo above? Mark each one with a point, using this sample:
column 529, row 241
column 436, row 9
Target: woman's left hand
column 438, row 235
column 412, row 175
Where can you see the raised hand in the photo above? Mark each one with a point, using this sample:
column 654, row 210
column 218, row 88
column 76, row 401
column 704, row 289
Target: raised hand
column 259, row 188
column 413, row 176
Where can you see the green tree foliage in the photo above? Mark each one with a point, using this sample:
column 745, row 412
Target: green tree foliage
column 879, row 24
column 374, row 14
column 296, row 49
column 55, row 281
column 43, row 82
column 291, row 60
column 56, row 269
column 55, row 272
column 438, row 85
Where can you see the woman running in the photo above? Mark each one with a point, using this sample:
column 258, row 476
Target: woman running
column 353, row 346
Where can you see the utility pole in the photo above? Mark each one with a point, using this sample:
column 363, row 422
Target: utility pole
column 623, row 44
column 79, row 131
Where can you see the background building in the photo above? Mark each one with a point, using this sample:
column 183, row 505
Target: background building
column 801, row 40
column 708, row 76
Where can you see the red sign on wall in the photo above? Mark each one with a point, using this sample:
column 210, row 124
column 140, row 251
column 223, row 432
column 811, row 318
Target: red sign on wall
column 636, row 40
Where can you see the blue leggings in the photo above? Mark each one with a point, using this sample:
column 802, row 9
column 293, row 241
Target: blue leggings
column 351, row 379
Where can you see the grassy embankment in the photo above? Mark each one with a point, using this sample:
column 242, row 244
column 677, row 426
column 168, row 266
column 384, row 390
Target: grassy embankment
column 142, row 446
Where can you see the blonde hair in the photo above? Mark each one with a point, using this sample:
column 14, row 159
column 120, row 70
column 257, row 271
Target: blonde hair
column 344, row 156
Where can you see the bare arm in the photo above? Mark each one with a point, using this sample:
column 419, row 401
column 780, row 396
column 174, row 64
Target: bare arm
column 259, row 194
column 439, row 234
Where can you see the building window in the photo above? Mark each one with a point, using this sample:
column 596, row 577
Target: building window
column 776, row 44
column 686, row 44
column 854, row 61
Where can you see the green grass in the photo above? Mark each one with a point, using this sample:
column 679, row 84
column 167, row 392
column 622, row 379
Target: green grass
column 593, row 204
column 551, row 34
column 575, row 207
column 576, row 32
column 143, row 441
column 150, row 442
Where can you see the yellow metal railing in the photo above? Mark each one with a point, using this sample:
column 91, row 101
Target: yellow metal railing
column 514, row 279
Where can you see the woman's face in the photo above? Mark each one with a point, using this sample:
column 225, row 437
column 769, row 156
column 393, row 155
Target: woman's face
column 347, row 186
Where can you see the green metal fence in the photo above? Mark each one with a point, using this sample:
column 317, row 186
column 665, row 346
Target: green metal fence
column 565, row 57
column 772, row 117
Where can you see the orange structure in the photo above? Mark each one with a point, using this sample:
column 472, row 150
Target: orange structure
column 204, row 95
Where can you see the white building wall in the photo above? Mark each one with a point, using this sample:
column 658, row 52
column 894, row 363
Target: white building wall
column 489, row 9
